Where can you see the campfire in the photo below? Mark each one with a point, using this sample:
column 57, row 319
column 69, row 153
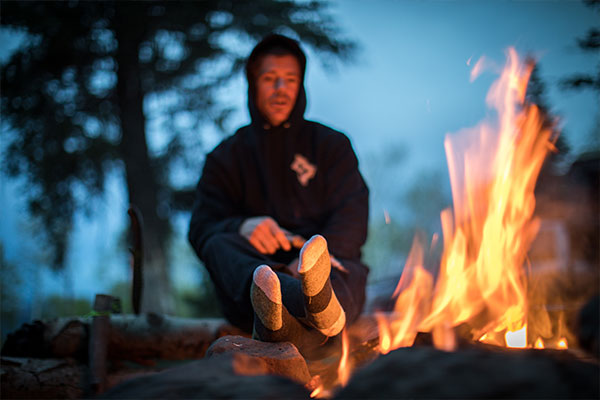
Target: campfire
column 481, row 283
column 466, row 302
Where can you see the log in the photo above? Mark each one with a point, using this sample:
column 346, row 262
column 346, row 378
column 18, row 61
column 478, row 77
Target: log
column 49, row 359
column 57, row 378
column 140, row 338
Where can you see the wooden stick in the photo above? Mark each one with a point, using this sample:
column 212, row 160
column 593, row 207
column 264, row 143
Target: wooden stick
column 99, row 337
column 137, row 251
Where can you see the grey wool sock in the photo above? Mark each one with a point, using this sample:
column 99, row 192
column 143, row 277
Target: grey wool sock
column 265, row 295
column 323, row 310
column 273, row 322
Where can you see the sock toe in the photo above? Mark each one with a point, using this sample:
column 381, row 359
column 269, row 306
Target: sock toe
column 266, row 298
column 314, row 265
column 323, row 310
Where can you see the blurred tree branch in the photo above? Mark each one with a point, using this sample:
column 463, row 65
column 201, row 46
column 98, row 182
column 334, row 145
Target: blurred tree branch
column 590, row 43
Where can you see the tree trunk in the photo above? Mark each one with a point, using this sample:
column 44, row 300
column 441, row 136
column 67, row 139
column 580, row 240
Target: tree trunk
column 141, row 176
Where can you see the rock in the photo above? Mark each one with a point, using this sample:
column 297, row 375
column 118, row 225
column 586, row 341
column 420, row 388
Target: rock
column 252, row 357
column 209, row 378
column 422, row 372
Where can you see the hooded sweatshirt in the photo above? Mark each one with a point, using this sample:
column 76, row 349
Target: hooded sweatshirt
column 301, row 173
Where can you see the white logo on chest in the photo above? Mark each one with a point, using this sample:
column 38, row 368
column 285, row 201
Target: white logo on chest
column 303, row 169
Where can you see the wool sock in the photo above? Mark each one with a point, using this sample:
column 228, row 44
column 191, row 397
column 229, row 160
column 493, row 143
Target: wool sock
column 273, row 322
column 323, row 310
column 265, row 295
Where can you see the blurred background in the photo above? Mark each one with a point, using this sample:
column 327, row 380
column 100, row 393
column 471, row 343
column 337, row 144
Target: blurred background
column 110, row 103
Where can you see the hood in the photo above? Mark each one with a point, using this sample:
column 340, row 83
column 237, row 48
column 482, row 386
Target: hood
column 270, row 41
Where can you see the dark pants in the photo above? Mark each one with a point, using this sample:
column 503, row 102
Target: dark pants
column 231, row 260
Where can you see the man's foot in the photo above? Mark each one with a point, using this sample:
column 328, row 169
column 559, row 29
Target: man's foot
column 265, row 295
column 273, row 322
column 323, row 310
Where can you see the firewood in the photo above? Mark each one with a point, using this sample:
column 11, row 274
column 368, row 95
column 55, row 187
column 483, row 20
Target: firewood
column 136, row 338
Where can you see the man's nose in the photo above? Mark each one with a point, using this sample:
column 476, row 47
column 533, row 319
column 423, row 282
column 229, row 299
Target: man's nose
column 279, row 83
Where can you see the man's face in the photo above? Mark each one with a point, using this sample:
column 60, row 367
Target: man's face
column 277, row 86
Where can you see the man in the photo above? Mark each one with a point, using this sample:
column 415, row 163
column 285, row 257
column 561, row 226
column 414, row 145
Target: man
column 265, row 189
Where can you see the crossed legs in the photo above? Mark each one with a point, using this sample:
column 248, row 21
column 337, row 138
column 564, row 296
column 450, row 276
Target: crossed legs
column 306, row 310
column 322, row 310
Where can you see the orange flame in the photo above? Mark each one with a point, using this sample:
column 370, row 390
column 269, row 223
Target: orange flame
column 344, row 371
column 344, row 367
column 315, row 393
column 399, row 328
column 481, row 281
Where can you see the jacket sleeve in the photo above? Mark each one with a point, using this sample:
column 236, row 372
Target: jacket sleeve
column 347, row 199
column 215, row 209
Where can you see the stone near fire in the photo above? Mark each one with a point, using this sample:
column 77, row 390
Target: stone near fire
column 423, row 372
column 209, row 378
column 253, row 357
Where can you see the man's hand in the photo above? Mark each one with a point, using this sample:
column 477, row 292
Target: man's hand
column 267, row 236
